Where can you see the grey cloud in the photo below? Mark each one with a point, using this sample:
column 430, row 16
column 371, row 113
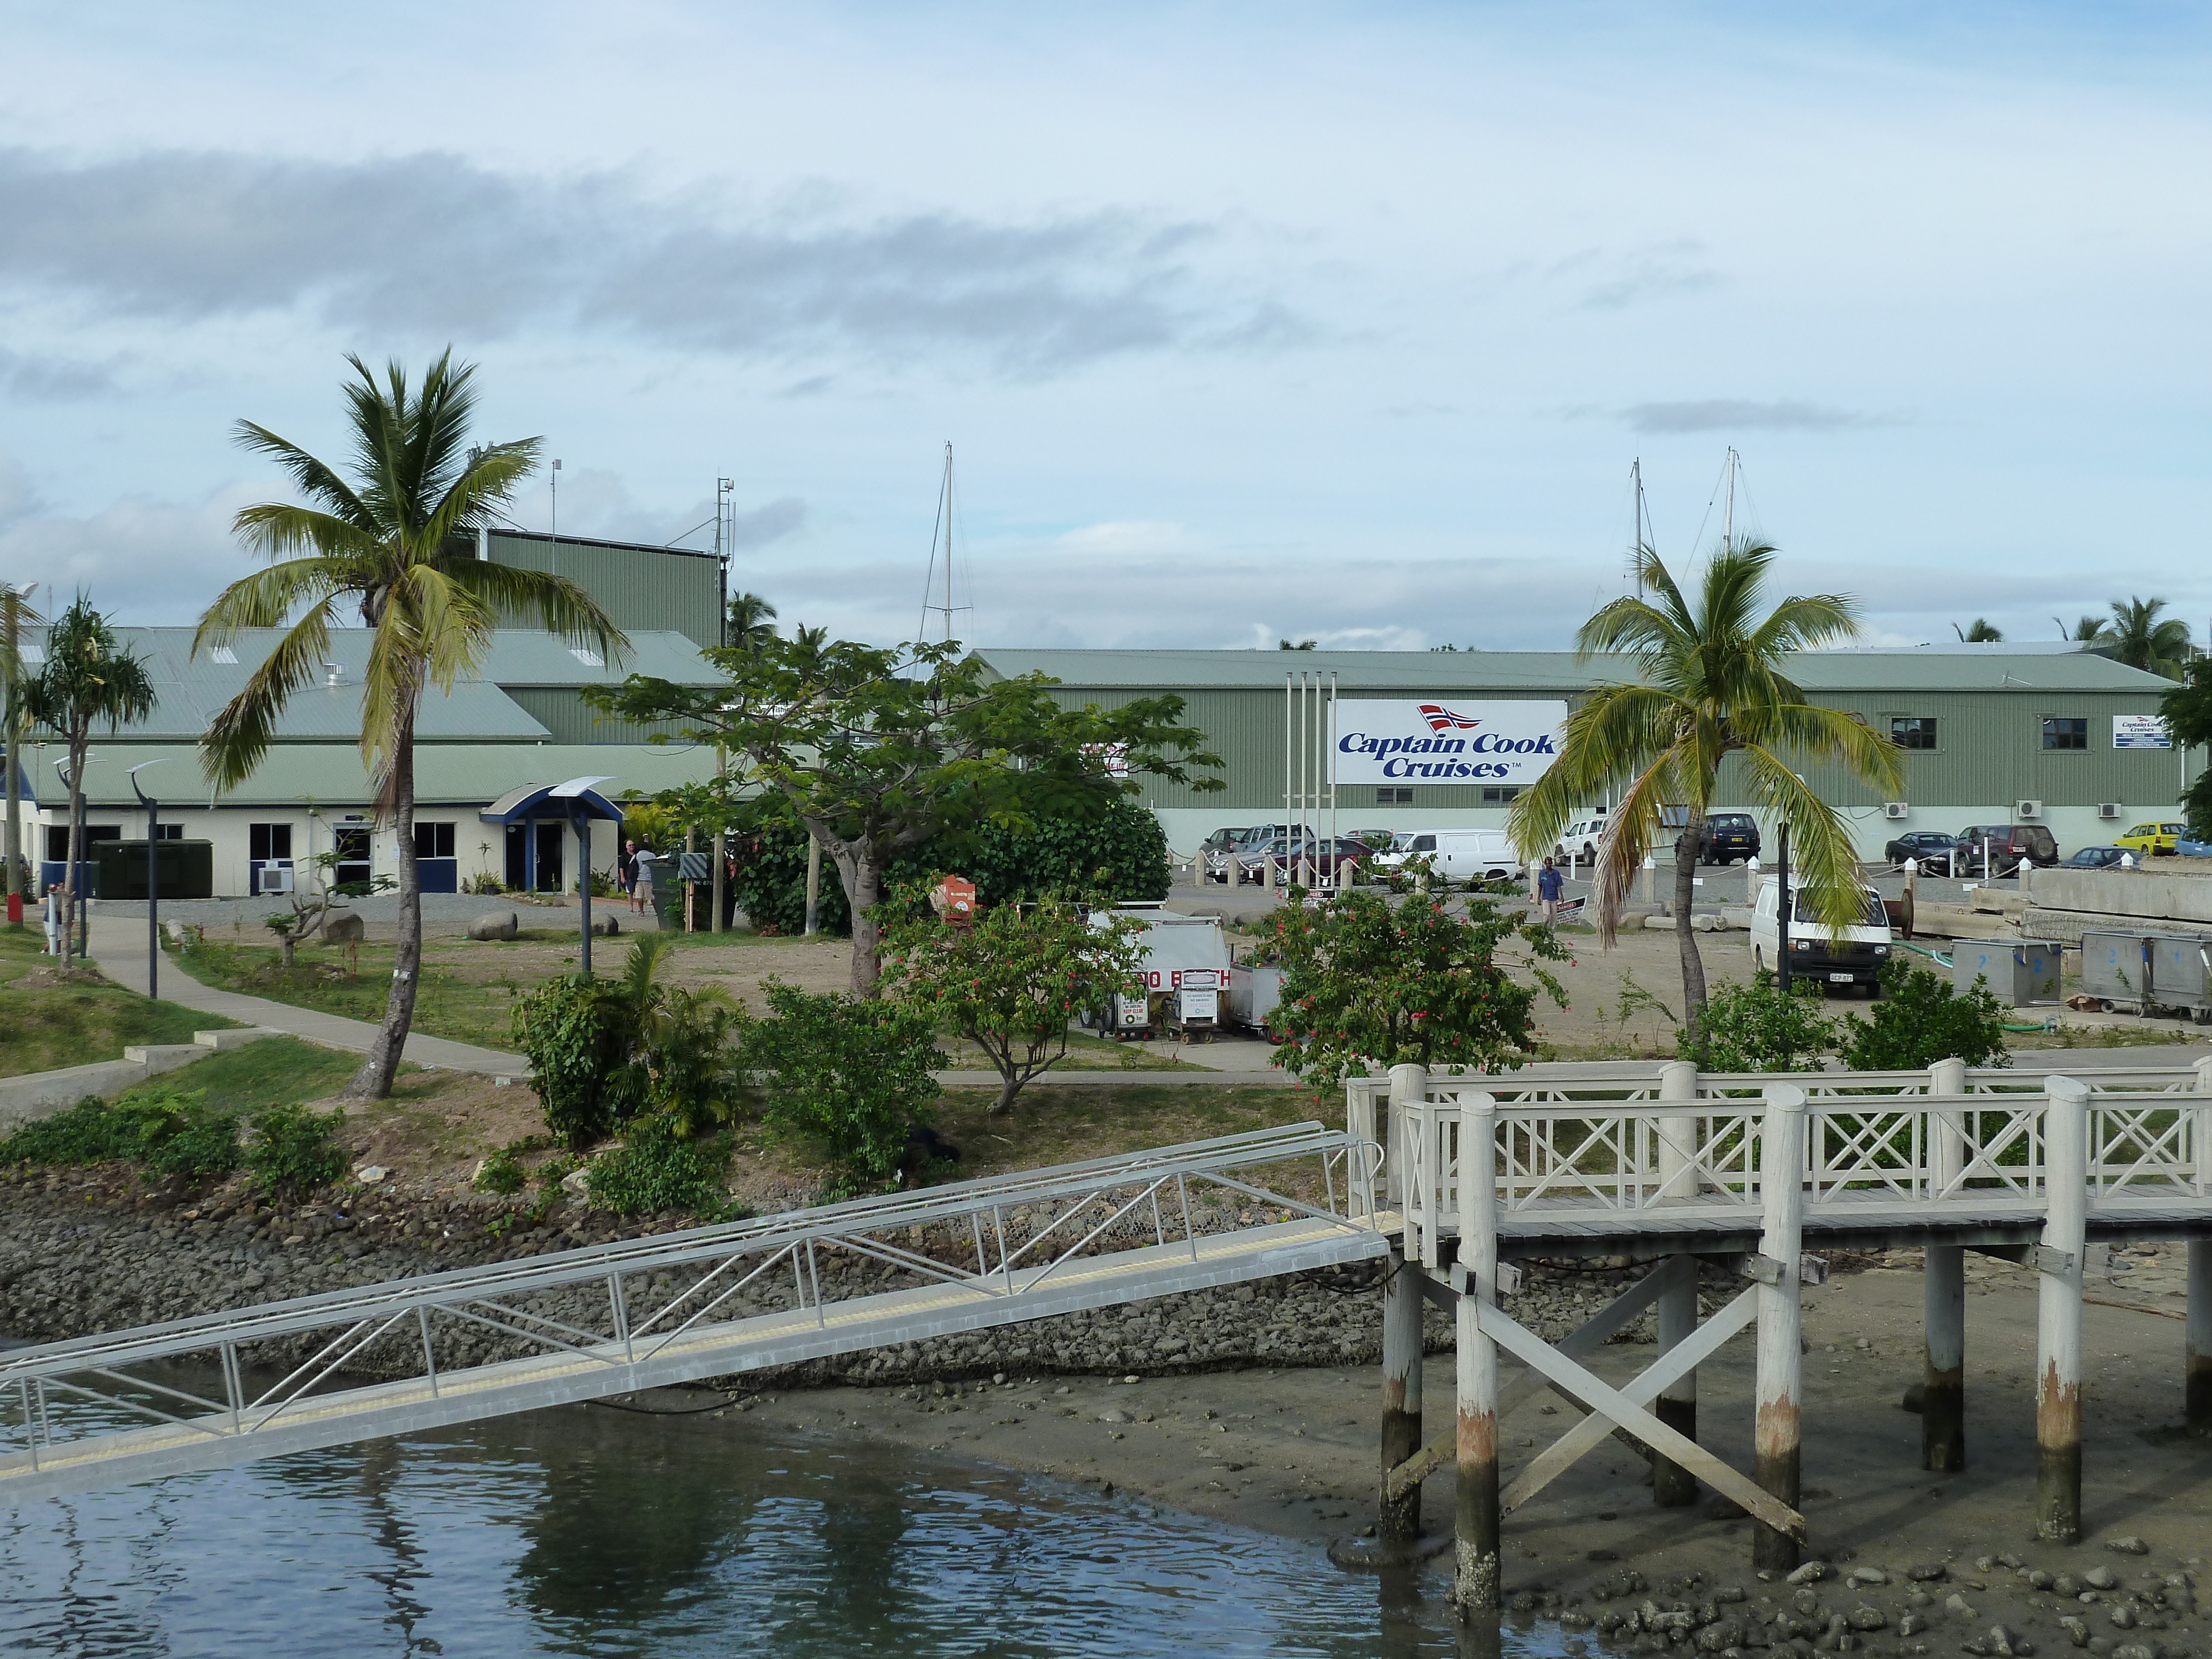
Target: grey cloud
column 1650, row 273
column 51, row 379
column 771, row 523
column 436, row 244
column 1741, row 415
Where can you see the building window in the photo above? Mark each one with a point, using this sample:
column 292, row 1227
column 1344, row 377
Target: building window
column 1912, row 730
column 1394, row 798
column 433, row 840
column 2063, row 731
column 169, row 832
column 268, row 841
column 1496, row 794
column 58, row 840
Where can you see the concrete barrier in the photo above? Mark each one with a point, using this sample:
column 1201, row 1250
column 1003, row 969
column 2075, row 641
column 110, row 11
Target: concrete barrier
column 2152, row 895
column 41, row 1094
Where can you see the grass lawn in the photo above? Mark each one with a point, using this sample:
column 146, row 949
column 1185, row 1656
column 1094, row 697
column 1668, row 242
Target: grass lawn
column 45, row 1028
column 356, row 984
column 273, row 1071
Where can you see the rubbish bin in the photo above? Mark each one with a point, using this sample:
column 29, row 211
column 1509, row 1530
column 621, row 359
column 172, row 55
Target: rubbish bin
column 2179, row 974
column 2017, row 972
column 2116, row 967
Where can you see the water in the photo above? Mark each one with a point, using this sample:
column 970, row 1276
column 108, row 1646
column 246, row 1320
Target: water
column 590, row 1531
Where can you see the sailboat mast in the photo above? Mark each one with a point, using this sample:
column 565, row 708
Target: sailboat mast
column 1728, row 513
column 947, row 493
column 1636, row 544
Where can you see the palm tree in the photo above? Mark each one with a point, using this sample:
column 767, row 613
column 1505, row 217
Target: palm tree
column 1980, row 631
column 1711, row 684
column 15, row 615
column 89, row 677
column 2086, row 628
column 2136, row 637
column 395, row 540
column 751, row 619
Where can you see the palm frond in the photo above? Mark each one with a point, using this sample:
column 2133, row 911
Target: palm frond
column 266, row 598
column 1632, row 832
column 555, row 603
column 239, row 734
column 314, row 480
column 1820, row 846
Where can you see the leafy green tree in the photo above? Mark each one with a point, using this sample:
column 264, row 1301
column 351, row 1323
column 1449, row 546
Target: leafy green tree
column 88, row 678
column 684, row 1042
column 1752, row 1026
column 1013, row 979
column 852, row 1076
column 877, row 751
column 16, row 616
column 1922, row 1019
column 1371, row 982
column 2137, row 637
column 751, row 619
column 395, row 540
column 1980, row 631
column 2187, row 709
column 1711, row 684
column 576, row 1030
column 2085, row 629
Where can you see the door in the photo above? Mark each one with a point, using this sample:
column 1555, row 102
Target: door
column 354, row 868
column 546, row 878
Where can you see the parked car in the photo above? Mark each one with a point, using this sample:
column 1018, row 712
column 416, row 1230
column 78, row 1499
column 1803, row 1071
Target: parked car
column 2155, row 838
column 1727, row 837
column 1922, row 844
column 1579, row 839
column 2008, row 846
column 1462, row 854
column 2093, row 858
column 1326, row 855
column 1854, row 957
column 1224, row 849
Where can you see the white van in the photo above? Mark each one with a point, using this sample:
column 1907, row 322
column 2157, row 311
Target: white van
column 1854, row 957
column 1462, row 854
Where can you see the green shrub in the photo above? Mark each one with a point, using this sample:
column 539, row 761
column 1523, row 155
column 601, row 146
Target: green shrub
column 1923, row 1019
column 89, row 1131
column 165, row 1129
column 578, row 1034
column 294, row 1151
column 655, row 1170
column 851, row 1076
column 1755, row 1028
column 502, row 1173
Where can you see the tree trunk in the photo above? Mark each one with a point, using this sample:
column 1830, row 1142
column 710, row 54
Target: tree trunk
column 1693, row 966
column 77, row 745
column 373, row 1080
column 14, row 852
column 864, row 890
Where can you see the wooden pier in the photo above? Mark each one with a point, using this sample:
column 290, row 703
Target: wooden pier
column 1760, row 1173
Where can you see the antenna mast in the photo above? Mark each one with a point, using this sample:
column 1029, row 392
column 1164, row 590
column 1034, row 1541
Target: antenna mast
column 940, row 529
column 1728, row 513
column 1639, row 540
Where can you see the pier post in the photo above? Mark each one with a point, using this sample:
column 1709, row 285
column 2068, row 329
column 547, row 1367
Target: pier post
column 1775, row 1434
column 2058, row 1311
column 1672, row 1486
column 1401, row 1518
column 1477, row 1583
column 2197, row 1385
column 1943, row 1290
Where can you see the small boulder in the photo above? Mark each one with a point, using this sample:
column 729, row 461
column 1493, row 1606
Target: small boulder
column 2101, row 1577
column 2128, row 1546
column 1811, row 1573
column 343, row 927
column 370, row 1175
column 605, row 927
column 495, row 924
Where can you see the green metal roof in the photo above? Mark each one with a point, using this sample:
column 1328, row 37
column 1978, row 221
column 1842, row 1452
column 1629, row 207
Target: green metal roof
column 1559, row 671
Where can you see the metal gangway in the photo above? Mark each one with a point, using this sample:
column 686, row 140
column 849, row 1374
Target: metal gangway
column 677, row 1308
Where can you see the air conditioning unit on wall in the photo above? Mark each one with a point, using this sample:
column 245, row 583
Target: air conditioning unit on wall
column 1897, row 809
column 2028, row 810
column 2108, row 809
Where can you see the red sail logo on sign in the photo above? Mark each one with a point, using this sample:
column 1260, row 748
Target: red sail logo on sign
column 1441, row 719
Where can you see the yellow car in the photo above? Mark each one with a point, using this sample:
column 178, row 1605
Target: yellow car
column 2152, row 837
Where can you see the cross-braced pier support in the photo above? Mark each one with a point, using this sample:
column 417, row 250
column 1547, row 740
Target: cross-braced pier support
column 2197, row 1358
column 1944, row 1374
column 1776, row 1430
column 1400, row 1522
column 2058, row 1313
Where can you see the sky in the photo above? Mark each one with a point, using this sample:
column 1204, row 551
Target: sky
column 1244, row 322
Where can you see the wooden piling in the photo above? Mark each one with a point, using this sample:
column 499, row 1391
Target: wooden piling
column 2058, row 1311
column 1943, row 1291
column 1775, row 1436
column 1400, row 1522
column 1477, row 1582
column 1672, row 1486
column 2197, row 1384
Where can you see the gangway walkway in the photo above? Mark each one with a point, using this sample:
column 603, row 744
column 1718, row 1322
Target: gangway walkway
column 645, row 1312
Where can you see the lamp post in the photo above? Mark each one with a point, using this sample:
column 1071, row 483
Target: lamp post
column 153, row 881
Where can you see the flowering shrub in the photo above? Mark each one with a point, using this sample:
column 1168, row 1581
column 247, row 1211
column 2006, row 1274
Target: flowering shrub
column 1013, row 979
column 1372, row 980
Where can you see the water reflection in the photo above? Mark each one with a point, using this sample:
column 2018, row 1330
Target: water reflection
column 594, row 1532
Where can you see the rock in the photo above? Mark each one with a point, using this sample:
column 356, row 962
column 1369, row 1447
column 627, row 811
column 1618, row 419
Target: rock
column 1999, row 1641
column 606, row 927
column 1925, row 1572
column 1869, row 1575
column 1958, row 1607
column 496, row 925
column 370, row 1175
column 343, row 927
column 1811, row 1573
column 576, row 1181
column 2128, row 1546
column 1116, row 1415
column 2066, row 1584
column 2100, row 1578
column 1912, row 1624
column 2122, row 1615
column 1866, row 1617
column 2076, row 1631
column 2134, row 1650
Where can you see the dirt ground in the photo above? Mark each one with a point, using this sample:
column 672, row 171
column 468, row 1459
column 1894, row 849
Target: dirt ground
column 1294, row 1452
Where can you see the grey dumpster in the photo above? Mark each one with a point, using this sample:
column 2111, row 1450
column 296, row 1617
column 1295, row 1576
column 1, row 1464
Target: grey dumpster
column 2179, row 976
column 2116, row 968
column 2018, row 972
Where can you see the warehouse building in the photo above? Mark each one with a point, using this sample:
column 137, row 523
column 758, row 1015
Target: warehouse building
column 487, row 758
column 1414, row 740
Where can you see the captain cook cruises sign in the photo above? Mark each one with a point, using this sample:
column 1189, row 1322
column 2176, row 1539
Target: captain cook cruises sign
column 1386, row 742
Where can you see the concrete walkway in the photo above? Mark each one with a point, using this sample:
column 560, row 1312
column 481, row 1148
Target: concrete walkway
column 118, row 945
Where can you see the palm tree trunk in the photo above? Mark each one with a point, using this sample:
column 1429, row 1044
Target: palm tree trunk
column 78, row 742
column 373, row 1080
column 1685, row 940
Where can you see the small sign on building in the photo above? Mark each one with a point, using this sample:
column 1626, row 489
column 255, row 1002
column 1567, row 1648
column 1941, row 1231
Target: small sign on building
column 2141, row 732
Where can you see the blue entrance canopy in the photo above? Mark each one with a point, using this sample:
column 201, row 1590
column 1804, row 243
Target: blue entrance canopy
column 576, row 798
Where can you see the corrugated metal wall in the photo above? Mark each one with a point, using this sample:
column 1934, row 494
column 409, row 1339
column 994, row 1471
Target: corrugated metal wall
column 561, row 710
column 642, row 588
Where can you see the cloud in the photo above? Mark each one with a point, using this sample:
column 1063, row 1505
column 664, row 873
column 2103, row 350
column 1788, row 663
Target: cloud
column 1741, row 415
column 141, row 559
column 1658, row 271
column 596, row 501
column 51, row 379
column 436, row 244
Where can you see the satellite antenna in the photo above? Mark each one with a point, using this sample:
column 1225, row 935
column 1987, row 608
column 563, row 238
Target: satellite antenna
column 940, row 533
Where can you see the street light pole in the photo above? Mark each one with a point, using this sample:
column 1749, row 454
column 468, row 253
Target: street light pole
column 153, row 880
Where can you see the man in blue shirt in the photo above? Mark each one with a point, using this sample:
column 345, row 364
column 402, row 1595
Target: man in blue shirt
column 1550, row 885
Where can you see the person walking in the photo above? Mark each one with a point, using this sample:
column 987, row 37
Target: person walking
column 641, row 891
column 626, row 868
column 1550, row 885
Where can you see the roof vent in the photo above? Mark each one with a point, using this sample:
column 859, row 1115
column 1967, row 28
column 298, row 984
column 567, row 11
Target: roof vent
column 589, row 658
column 337, row 673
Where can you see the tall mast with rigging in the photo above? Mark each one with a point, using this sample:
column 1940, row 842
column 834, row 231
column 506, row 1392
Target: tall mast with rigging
column 940, row 534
